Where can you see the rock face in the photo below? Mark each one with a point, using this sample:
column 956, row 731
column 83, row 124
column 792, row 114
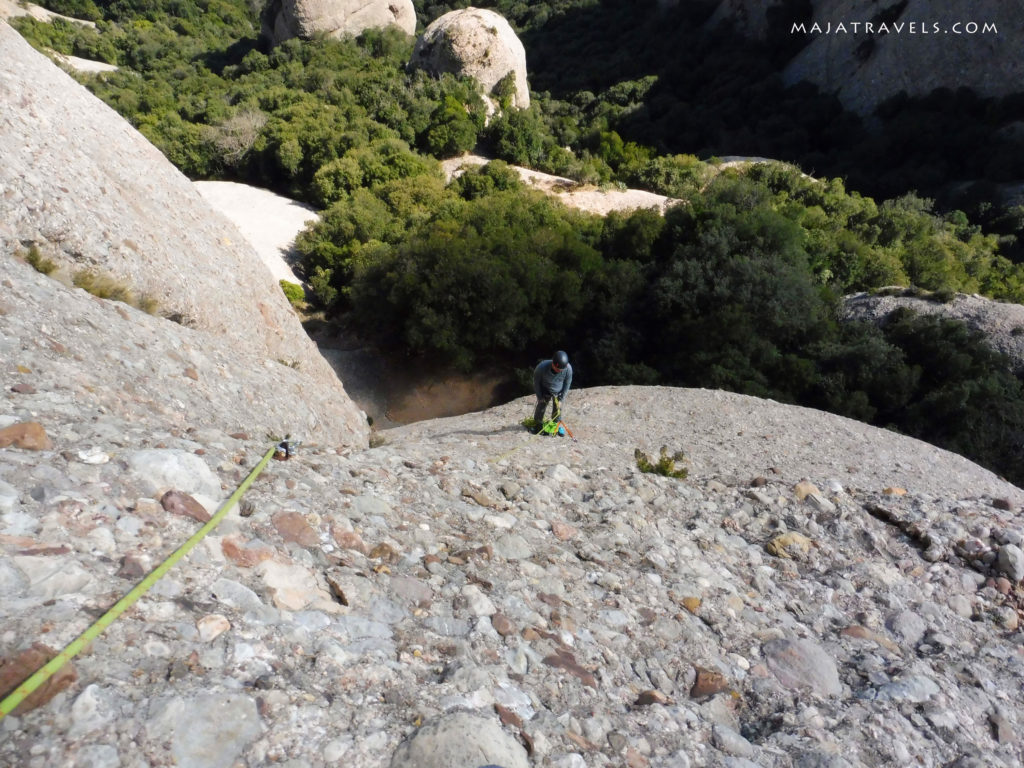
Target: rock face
column 463, row 593
column 91, row 194
column 467, row 595
column 929, row 45
column 1000, row 322
column 474, row 43
column 285, row 19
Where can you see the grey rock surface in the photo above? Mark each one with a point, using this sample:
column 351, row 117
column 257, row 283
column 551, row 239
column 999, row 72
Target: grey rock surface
column 285, row 19
column 399, row 603
column 477, row 43
column 1001, row 323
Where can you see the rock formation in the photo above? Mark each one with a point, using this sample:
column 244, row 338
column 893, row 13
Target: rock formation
column 928, row 45
column 1002, row 323
column 92, row 195
column 285, row 19
column 815, row 592
column 476, row 43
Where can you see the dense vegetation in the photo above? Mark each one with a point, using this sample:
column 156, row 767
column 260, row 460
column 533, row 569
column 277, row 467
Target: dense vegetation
column 663, row 79
column 736, row 287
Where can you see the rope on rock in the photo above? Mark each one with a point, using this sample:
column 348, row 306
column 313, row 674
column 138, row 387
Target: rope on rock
column 23, row 691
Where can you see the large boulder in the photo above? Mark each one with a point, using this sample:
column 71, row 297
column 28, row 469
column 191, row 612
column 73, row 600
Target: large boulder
column 474, row 43
column 90, row 194
column 285, row 19
column 925, row 45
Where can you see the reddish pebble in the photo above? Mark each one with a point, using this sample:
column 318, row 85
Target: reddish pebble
column 293, row 527
column 29, row 436
column 178, row 503
column 502, row 625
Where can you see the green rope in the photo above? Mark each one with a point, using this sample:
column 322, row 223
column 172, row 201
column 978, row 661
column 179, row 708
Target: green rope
column 26, row 689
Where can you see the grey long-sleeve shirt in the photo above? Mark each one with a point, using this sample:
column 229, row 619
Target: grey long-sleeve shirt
column 547, row 382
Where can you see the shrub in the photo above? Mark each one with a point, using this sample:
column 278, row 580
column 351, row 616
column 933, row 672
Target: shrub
column 39, row 262
column 665, row 466
column 108, row 287
column 295, row 293
column 102, row 286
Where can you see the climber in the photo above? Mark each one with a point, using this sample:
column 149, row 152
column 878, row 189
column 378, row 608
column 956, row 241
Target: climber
column 551, row 379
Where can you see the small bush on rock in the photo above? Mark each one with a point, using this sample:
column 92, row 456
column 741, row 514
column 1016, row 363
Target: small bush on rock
column 102, row 286
column 107, row 287
column 39, row 262
column 294, row 292
column 665, row 466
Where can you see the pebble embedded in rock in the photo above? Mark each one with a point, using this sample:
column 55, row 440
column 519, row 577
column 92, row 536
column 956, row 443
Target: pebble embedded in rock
column 460, row 740
column 16, row 668
column 805, row 488
column 479, row 604
column 512, row 546
column 160, row 469
column 789, row 545
column 563, row 531
column 708, row 682
column 731, row 742
column 916, row 689
column 212, row 626
column 178, row 503
column 908, row 627
column 294, row 527
column 803, row 664
column 29, row 436
column 1011, row 562
column 209, row 730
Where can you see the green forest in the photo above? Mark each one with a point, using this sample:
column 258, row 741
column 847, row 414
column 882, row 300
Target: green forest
column 737, row 287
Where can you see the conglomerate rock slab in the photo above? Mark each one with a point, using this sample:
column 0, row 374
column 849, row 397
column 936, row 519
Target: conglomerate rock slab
column 91, row 194
column 589, row 613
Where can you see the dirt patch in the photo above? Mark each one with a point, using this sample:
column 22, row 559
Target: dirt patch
column 393, row 392
column 427, row 395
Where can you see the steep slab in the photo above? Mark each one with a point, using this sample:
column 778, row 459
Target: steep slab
column 80, row 184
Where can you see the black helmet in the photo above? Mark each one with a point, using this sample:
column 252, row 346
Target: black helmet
column 560, row 360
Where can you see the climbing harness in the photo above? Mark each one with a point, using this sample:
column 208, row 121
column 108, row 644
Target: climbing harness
column 23, row 691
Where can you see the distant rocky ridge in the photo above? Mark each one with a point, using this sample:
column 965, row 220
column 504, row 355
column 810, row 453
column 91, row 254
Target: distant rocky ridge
column 90, row 193
column 866, row 69
column 1002, row 323
column 477, row 43
column 285, row 19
